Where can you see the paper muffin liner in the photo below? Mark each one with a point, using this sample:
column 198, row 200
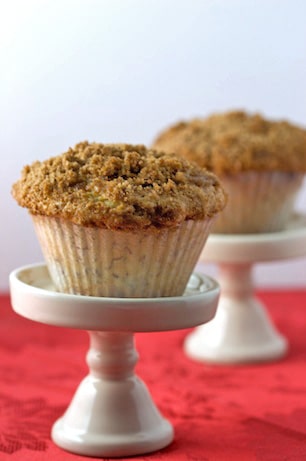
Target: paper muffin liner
column 258, row 202
column 96, row 261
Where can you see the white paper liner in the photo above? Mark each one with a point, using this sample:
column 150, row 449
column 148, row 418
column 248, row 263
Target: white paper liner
column 100, row 262
column 258, row 202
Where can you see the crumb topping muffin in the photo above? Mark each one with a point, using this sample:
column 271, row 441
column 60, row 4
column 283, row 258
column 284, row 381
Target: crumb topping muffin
column 235, row 142
column 119, row 186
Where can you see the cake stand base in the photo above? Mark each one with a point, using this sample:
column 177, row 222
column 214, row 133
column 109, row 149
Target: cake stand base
column 111, row 419
column 242, row 331
column 112, row 413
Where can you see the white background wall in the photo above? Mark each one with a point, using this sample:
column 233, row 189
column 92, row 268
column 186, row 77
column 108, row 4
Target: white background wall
column 120, row 70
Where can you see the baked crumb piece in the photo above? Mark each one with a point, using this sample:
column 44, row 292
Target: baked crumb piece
column 119, row 186
column 236, row 141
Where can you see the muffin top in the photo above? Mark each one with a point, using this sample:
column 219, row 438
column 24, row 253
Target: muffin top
column 236, row 141
column 119, row 186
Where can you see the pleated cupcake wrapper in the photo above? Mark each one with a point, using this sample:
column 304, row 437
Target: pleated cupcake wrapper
column 100, row 262
column 258, row 202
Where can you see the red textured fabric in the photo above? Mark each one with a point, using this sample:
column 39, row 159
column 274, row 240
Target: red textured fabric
column 220, row 413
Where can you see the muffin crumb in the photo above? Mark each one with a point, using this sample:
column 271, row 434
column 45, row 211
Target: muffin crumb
column 119, row 186
column 235, row 141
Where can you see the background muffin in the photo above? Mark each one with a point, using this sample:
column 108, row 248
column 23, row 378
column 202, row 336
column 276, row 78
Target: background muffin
column 120, row 220
column 260, row 163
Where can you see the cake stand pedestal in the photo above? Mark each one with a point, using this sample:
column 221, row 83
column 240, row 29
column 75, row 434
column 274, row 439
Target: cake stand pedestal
column 242, row 331
column 112, row 413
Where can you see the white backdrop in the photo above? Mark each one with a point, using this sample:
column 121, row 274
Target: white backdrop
column 120, row 70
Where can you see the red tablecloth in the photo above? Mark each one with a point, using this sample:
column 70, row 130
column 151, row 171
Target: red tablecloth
column 220, row 413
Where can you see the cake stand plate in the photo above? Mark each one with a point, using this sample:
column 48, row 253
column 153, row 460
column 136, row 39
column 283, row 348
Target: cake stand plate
column 242, row 331
column 112, row 413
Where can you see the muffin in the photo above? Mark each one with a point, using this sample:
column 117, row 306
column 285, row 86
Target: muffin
column 260, row 163
column 120, row 220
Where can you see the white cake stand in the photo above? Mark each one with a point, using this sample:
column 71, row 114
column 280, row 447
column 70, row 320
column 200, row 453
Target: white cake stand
column 112, row 413
column 242, row 330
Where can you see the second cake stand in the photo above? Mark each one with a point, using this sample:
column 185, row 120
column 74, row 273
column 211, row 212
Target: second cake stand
column 242, row 331
column 112, row 413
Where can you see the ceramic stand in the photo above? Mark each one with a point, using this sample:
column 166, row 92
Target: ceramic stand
column 242, row 331
column 112, row 413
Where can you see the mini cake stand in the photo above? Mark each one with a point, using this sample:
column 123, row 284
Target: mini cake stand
column 112, row 413
column 241, row 330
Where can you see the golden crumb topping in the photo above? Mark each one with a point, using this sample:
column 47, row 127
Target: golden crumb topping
column 236, row 141
column 119, row 186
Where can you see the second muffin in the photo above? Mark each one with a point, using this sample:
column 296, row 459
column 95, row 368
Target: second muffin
column 261, row 164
